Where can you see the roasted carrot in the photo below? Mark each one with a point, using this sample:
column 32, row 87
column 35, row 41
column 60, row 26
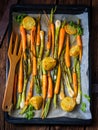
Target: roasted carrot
column 52, row 27
column 38, row 40
column 33, row 34
column 67, row 52
column 20, row 76
column 79, row 42
column 14, row 89
column 58, row 80
column 20, row 83
column 29, row 95
column 75, row 85
column 44, row 86
column 33, row 49
column 38, row 32
column 67, row 58
column 23, row 40
column 49, row 39
column 61, row 39
column 48, row 46
column 49, row 95
column 57, row 85
column 50, row 86
column 53, row 37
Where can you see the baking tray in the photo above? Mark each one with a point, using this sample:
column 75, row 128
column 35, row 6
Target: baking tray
column 65, row 9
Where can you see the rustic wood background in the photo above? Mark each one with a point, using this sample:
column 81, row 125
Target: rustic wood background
column 4, row 7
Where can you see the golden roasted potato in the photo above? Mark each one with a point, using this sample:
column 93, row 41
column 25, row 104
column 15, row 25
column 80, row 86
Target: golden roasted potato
column 28, row 22
column 68, row 104
column 70, row 29
column 49, row 63
column 75, row 50
column 36, row 102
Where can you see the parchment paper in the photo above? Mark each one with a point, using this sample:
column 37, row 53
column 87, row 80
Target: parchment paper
column 77, row 113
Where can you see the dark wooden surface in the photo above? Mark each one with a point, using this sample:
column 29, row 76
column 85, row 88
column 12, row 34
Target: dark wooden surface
column 94, row 66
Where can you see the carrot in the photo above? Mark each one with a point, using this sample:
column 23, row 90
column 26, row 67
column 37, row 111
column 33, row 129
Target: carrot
column 50, row 95
column 14, row 89
column 34, row 66
column 20, row 77
column 30, row 93
column 67, row 52
column 79, row 42
column 57, row 85
column 49, row 39
column 38, row 32
column 44, row 86
column 48, row 46
column 38, row 40
column 20, row 83
column 23, row 40
column 58, row 80
column 61, row 40
column 75, row 85
column 52, row 27
column 67, row 58
column 50, row 86
column 33, row 34
column 53, row 37
column 44, row 91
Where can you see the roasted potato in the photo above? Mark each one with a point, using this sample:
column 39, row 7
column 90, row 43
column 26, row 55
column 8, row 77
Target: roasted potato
column 49, row 63
column 28, row 22
column 68, row 104
column 36, row 102
column 70, row 29
column 75, row 50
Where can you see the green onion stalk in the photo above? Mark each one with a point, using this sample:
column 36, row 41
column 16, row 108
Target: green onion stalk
column 78, row 98
column 40, row 55
column 57, row 26
column 46, row 109
column 25, row 66
column 52, row 13
column 65, row 76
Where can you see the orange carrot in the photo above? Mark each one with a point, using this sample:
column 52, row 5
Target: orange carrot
column 33, row 34
column 38, row 33
column 45, row 109
column 79, row 42
column 67, row 52
column 75, row 86
column 34, row 66
column 44, row 86
column 14, row 89
column 49, row 39
column 57, row 86
column 58, row 81
column 20, row 77
column 53, row 37
column 30, row 93
column 61, row 40
column 23, row 36
column 50, row 86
